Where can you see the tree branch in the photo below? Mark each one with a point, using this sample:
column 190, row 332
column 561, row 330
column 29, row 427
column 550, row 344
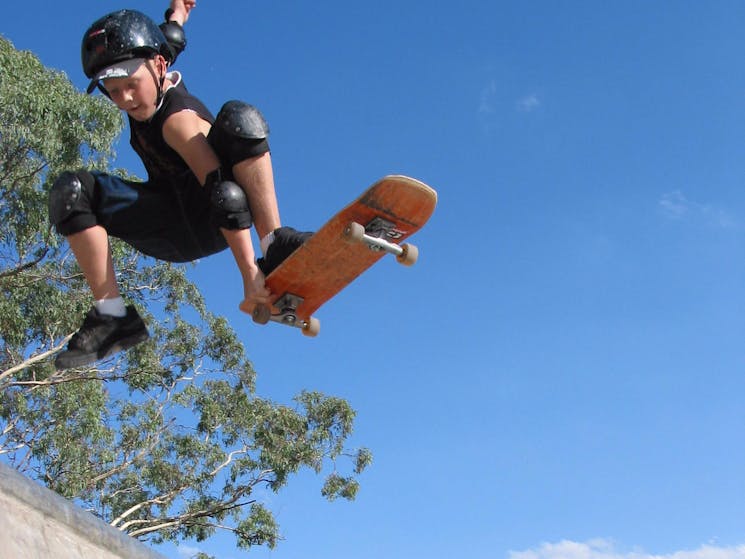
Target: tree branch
column 228, row 460
column 35, row 359
column 186, row 518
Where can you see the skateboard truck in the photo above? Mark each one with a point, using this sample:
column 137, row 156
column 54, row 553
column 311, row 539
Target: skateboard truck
column 287, row 305
column 376, row 234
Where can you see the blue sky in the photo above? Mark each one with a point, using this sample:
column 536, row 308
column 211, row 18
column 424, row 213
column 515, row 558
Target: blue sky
column 561, row 375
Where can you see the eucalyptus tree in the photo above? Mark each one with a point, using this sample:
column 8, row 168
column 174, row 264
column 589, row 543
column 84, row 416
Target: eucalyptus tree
column 168, row 441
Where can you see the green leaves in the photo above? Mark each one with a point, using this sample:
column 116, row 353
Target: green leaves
column 46, row 126
column 167, row 441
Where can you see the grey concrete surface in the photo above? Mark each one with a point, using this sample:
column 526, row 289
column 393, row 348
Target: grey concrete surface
column 36, row 523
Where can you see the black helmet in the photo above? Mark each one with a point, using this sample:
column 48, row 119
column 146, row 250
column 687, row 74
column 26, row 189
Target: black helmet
column 120, row 36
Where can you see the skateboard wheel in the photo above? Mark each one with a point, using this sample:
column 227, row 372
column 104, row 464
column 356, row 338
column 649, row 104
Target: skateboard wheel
column 312, row 328
column 354, row 232
column 409, row 255
column 261, row 314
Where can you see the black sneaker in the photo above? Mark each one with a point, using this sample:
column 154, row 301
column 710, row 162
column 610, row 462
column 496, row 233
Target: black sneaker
column 102, row 335
column 286, row 241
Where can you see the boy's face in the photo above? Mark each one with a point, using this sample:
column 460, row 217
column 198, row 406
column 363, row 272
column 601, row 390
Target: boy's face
column 136, row 94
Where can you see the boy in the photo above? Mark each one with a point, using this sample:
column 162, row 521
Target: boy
column 209, row 179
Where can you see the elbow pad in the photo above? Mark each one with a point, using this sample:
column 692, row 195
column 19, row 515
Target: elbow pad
column 229, row 203
column 175, row 36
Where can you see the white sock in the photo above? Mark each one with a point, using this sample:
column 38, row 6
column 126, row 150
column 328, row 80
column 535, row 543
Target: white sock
column 265, row 242
column 111, row 307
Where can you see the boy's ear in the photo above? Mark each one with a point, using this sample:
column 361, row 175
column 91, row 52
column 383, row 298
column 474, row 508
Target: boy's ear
column 160, row 64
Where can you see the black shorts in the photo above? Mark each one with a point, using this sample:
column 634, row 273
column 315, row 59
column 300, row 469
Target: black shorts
column 166, row 221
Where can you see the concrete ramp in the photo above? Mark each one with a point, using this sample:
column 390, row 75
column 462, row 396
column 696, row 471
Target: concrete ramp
column 36, row 523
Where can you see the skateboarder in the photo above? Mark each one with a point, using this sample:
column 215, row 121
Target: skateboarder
column 209, row 179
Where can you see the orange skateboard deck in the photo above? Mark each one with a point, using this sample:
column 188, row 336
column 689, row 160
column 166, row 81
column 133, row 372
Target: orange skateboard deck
column 352, row 241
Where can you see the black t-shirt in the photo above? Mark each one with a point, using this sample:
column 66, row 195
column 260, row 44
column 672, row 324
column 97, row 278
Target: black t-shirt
column 162, row 162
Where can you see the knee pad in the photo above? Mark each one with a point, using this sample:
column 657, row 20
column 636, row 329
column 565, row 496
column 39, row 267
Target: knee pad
column 69, row 194
column 229, row 204
column 240, row 132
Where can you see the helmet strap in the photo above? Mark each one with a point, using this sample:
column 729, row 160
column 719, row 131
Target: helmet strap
column 102, row 89
column 159, row 83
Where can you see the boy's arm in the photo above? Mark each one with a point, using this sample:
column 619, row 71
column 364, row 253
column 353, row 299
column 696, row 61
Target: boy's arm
column 179, row 11
column 172, row 27
column 186, row 132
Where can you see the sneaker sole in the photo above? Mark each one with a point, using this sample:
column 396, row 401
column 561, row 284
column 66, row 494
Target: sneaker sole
column 68, row 362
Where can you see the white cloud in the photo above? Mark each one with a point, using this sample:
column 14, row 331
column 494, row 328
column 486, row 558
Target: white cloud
column 675, row 205
column 529, row 103
column 605, row 549
column 489, row 101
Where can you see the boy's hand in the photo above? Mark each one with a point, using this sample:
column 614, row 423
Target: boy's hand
column 180, row 10
column 254, row 293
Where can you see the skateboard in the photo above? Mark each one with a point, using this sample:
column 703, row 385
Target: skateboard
column 352, row 241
